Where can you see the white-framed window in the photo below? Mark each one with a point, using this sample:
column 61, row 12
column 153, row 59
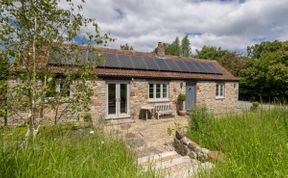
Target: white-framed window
column 158, row 91
column 220, row 89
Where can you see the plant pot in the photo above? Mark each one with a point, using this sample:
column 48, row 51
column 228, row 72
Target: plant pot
column 181, row 113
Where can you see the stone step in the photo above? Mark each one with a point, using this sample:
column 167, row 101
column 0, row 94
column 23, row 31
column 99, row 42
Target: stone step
column 184, row 173
column 189, row 171
column 168, row 164
column 157, row 157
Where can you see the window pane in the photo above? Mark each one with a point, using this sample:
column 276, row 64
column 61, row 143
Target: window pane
column 221, row 89
column 111, row 99
column 64, row 88
column 217, row 89
column 165, row 91
column 158, row 90
column 123, row 98
column 151, row 91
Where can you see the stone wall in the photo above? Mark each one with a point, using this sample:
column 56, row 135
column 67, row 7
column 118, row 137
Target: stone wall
column 139, row 95
column 206, row 95
column 98, row 99
column 97, row 110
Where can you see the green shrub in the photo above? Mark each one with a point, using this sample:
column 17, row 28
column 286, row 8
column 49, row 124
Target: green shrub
column 181, row 97
column 199, row 118
column 87, row 117
column 255, row 106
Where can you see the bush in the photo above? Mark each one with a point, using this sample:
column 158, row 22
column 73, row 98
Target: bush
column 87, row 117
column 199, row 118
column 255, row 106
column 181, row 97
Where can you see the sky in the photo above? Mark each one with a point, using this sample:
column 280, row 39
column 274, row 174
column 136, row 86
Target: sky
column 229, row 24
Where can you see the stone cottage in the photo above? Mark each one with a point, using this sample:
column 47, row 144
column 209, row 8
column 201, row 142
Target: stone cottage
column 127, row 81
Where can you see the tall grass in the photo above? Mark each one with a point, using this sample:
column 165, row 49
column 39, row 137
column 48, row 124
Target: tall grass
column 66, row 153
column 255, row 144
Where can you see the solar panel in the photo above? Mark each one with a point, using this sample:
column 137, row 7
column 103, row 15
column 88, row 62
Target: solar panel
column 173, row 65
column 125, row 61
column 139, row 62
column 111, row 60
column 182, row 66
column 204, row 67
column 151, row 63
column 162, row 64
column 191, row 67
column 213, row 68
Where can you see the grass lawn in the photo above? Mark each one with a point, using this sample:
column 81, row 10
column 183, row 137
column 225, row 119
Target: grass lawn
column 255, row 144
column 65, row 152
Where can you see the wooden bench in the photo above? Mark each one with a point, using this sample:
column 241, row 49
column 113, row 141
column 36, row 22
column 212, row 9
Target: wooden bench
column 164, row 109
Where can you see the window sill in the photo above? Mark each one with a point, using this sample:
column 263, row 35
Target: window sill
column 220, row 97
column 158, row 100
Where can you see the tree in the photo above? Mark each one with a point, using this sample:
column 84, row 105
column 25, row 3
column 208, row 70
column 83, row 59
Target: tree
column 265, row 76
column 126, row 47
column 173, row 48
column 30, row 31
column 258, row 50
column 185, row 47
column 232, row 61
column 4, row 65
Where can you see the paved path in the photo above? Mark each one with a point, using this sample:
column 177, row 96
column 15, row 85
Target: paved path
column 150, row 136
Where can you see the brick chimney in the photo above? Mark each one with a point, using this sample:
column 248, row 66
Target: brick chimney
column 160, row 51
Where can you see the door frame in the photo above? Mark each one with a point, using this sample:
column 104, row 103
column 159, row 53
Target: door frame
column 187, row 84
column 118, row 114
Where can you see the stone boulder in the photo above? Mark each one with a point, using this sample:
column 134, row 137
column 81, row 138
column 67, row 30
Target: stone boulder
column 184, row 146
column 180, row 148
column 202, row 154
column 193, row 146
column 185, row 141
column 192, row 155
column 179, row 135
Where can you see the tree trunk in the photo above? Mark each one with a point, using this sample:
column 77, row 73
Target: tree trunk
column 6, row 117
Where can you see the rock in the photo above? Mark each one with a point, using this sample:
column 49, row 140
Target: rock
column 205, row 151
column 202, row 156
column 179, row 135
column 185, row 141
column 193, row 146
column 130, row 135
column 180, row 148
column 215, row 155
column 138, row 142
column 192, row 155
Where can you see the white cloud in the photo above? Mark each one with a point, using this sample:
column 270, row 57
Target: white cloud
column 229, row 24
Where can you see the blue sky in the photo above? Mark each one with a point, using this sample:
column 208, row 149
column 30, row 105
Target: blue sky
column 230, row 24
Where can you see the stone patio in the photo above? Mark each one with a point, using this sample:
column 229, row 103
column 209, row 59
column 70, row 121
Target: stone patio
column 148, row 137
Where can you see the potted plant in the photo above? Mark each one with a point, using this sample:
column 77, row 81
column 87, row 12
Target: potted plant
column 181, row 98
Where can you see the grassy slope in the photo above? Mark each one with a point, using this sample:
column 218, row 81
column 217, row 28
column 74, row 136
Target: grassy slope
column 254, row 144
column 65, row 153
